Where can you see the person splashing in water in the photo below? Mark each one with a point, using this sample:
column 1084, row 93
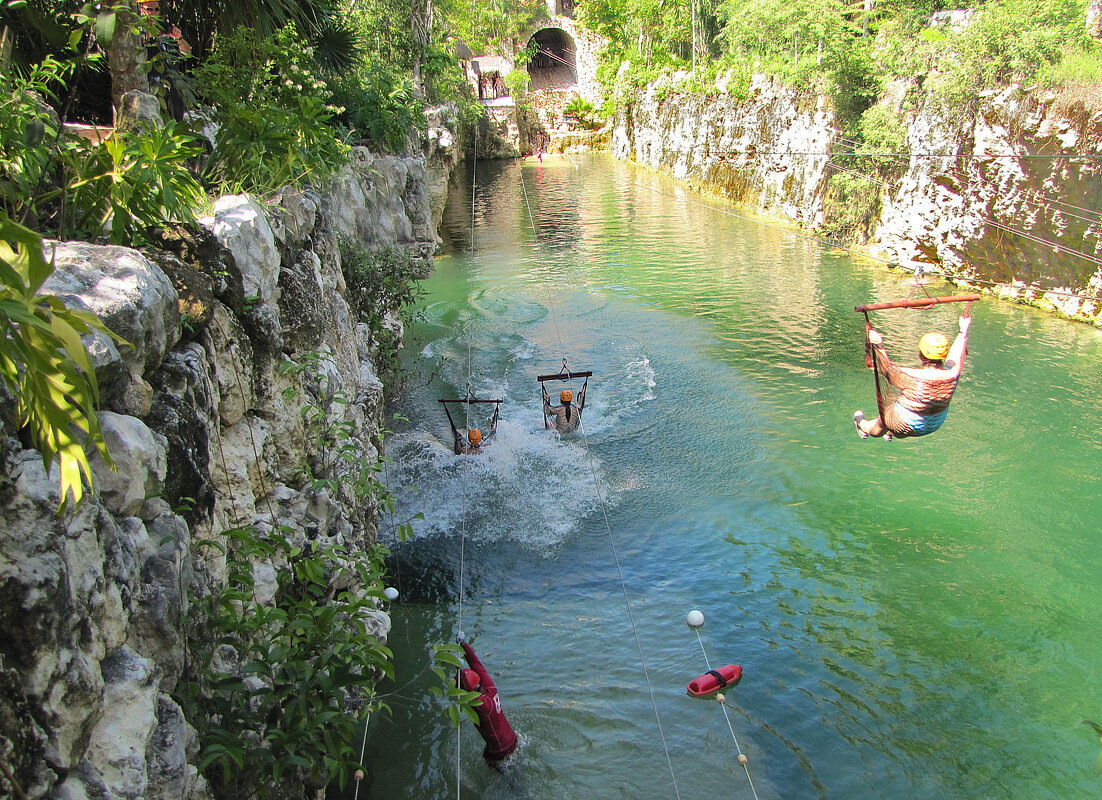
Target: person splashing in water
column 501, row 739
column 565, row 417
column 473, row 443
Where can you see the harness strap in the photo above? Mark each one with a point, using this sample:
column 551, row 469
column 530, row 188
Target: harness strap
column 718, row 676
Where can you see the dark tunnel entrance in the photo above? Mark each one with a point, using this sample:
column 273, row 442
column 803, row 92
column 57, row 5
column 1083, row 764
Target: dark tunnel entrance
column 554, row 65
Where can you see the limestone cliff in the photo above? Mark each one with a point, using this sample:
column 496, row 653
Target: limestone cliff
column 205, row 425
column 1005, row 197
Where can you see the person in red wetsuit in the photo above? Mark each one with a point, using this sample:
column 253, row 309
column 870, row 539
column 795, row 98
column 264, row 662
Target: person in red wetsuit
column 501, row 739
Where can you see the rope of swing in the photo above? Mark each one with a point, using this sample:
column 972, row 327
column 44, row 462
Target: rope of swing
column 604, row 514
column 870, row 361
column 723, row 704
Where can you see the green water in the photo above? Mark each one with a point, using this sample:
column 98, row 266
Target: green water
column 915, row 619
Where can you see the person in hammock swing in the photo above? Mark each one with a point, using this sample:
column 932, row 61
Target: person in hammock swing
column 924, row 391
column 473, row 442
column 565, row 417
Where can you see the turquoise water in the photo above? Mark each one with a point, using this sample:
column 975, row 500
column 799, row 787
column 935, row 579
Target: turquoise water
column 917, row 618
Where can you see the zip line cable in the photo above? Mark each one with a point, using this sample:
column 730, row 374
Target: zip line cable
column 463, row 497
column 966, row 156
column 995, row 224
column 857, row 253
column 608, row 526
column 723, row 704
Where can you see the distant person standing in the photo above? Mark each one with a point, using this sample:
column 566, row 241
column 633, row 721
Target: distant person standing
column 501, row 739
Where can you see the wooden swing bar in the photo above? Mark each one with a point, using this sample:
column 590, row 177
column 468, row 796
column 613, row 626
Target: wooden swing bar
column 917, row 302
column 563, row 376
column 470, row 400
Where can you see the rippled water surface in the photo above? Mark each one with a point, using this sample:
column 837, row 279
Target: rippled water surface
column 916, row 619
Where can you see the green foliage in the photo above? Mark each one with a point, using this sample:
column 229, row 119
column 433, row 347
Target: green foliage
column 44, row 363
column 877, row 160
column 517, row 83
column 1005, row 40
column 490, row 27
column 1002, row 41
column 1078, row 67
column 203, row 21
column 379, row 281
column 447, row 659
column 380, row 108
column 654, row 32
column 280, row 687
column 129, row 184
column 273, row 115
column 847, row 50
column 587, row 114
column 73, row 188
column 28, row 135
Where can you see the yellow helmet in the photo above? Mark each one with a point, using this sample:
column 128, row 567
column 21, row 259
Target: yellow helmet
column 566, row 396
column 934, row 346
column 474, row 436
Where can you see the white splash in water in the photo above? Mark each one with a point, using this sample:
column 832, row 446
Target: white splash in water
column 528, row 486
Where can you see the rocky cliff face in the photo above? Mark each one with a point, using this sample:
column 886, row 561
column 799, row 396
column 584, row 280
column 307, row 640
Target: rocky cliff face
column 205, row 425
column 1005, row 197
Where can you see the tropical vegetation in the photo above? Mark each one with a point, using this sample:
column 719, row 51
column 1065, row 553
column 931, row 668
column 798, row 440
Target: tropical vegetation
column 280, row 91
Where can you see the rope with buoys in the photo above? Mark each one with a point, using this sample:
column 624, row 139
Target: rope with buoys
column 608, row 526
column 695, row 619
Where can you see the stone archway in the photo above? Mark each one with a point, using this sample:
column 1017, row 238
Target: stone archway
column 555, row 63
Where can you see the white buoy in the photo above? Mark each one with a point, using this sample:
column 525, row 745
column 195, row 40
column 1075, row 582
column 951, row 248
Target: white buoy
column 694, row 618
column 390, row 593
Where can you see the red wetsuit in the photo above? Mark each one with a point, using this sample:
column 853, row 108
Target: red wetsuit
column 501, row 739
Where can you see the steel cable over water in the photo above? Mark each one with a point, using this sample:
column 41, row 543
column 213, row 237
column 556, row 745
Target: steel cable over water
column 862, row 254
column 604, row 514
column 463, row 494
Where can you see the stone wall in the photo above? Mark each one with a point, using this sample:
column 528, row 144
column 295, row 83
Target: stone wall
column 1009, row 203
column 206, row 431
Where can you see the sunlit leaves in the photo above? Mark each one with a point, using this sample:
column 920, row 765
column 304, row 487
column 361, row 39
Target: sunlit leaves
column 45, row 363
column 304, row 664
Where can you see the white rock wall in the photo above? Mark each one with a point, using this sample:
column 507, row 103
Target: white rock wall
column 1009, row 202
column 737, row 148
column 92, row 604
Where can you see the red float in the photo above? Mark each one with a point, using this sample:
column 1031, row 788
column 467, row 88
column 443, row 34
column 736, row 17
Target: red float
column 715, row 679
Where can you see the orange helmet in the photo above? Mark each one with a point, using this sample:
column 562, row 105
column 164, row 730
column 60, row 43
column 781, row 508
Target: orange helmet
column 566, row 396
column 934, row 346
column 469, row 680
column 474, row 436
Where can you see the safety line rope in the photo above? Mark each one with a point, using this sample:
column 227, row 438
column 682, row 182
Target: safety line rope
column 723, row 704
column 608, row 526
